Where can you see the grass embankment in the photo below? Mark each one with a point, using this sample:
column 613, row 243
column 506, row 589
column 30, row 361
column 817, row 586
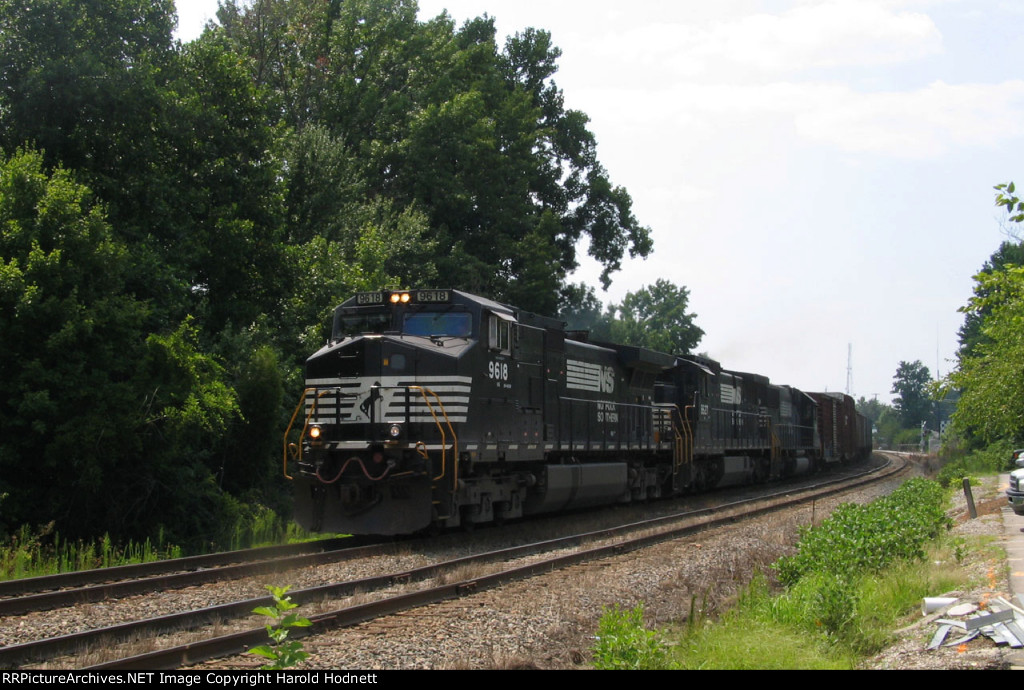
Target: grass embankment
column 854, row 576
column 31, row 553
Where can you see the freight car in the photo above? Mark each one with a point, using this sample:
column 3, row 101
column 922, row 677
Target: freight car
column 437, row 408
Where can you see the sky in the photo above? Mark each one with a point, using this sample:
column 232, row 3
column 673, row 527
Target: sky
column 817, row 173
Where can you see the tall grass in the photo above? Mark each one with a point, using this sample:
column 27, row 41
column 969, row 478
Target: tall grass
column 30, row 553
column 624, row 644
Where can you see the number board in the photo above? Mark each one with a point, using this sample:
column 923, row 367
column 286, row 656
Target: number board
column 433, row 296
column 370, row 298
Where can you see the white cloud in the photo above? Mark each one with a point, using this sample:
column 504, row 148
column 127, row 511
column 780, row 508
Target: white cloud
column 922, row 123
column 819, row 34
column 918, row 124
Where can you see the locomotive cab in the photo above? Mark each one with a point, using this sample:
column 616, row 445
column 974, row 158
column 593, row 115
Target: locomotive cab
column 382, row 404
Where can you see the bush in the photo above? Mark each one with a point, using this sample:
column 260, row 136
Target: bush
column 994, row 458
column 623, row 643
column 866, row 538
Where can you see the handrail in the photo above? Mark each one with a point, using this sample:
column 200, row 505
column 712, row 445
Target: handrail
column 682, row 447
column 419, row 445
column 776, row 444
column 684, row 420
column 444, row 446
column 292, row 446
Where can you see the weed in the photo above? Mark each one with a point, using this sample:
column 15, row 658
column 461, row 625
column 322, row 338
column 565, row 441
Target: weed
column 624, row 643
column 283, row 653
column 845, row 600
column 994, row 458
column 959, row 549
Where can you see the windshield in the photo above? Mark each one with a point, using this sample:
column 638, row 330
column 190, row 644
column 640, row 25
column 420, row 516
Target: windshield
column 348, row 323
column 457, row 324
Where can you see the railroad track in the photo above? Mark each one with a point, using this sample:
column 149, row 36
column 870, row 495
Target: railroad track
column 91, row 586
column 389, row 592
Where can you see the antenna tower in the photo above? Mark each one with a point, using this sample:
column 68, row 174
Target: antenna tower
column 849, row 369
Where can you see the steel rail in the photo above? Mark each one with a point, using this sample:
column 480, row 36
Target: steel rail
column 239, row 642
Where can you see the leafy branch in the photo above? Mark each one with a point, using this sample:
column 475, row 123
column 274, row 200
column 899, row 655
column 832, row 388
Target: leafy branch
column 1007, row 197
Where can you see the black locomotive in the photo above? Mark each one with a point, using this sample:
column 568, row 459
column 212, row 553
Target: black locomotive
column 437, row 408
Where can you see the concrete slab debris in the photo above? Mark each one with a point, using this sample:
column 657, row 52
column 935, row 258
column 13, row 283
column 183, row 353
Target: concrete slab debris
column 990, row 619
column 1002, row 623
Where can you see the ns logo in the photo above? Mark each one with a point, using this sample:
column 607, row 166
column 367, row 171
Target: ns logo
column 607, row 380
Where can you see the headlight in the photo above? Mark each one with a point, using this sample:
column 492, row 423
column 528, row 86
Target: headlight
column 314, row 432
column 395, row 430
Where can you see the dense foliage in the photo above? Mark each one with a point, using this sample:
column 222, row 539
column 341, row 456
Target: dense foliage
column 855, row 576
column 990, row 372
column 654, row 317
column 912, row 401
column 444, row 120
column 179, row 220
column 858, row 539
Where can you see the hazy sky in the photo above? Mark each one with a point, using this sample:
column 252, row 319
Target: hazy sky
column 818, row 173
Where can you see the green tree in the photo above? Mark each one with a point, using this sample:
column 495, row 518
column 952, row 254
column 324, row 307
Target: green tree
column 103, row 427
column 1008, row 254
column 655, row 317
column 79, row 79
column 85, row 84
column 224, row 231
column 581, row 310
column 69, row 337
column 991, row 376
column 173, row 141
column 444, row 121
column 913, row 402
column 383, row 246
column 872, row 409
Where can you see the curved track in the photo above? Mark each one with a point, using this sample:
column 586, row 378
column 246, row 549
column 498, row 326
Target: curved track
column 394, row 591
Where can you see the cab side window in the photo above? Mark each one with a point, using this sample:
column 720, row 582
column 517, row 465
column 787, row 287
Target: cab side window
column 499, row 335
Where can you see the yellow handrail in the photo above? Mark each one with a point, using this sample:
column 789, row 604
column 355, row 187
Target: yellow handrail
column 305, row 426
column 683, row 441
column 419, row 446
column 684, row 422
column 444, row 445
